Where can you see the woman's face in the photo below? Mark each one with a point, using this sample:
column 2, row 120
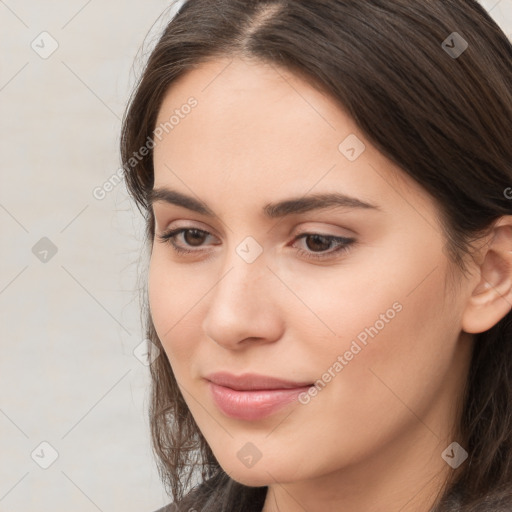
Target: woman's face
column 360, row 306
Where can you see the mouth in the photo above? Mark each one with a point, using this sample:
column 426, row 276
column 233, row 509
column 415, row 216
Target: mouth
column 250, row 396
column 253, row 382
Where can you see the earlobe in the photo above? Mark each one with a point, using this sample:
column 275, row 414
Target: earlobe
column 491, row 298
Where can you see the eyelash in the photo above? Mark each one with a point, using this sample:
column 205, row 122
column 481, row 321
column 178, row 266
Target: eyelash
column 344, row 243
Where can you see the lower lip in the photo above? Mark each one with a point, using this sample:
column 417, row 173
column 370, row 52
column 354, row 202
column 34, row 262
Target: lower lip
column 253, row 405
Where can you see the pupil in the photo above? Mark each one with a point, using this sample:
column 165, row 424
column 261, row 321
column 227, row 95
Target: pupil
column 194, row 237
column 319, row 246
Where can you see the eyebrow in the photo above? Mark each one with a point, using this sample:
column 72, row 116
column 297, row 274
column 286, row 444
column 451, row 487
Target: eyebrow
column 271, row 210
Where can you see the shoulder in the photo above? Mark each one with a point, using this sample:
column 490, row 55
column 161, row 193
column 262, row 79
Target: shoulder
column 191, row 500
column 219, row 492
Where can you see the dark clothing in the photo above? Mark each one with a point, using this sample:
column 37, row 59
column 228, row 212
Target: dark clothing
column 220, row 493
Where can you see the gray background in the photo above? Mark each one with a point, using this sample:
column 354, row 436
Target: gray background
column 70, row 321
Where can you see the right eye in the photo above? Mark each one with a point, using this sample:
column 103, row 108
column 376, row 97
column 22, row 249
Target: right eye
column 193, row 235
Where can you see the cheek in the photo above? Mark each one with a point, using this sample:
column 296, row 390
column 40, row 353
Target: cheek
column 172, row 297
column 397, row 347
column 390, row 324
column 365, row 311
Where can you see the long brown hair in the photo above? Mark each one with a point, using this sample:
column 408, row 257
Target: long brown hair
column 445, row 119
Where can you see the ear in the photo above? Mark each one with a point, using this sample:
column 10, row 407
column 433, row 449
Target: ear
column 491, row 298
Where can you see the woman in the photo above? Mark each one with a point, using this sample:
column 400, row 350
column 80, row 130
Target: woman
column 327, row 190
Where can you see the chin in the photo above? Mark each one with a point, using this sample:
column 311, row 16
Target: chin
column 260, row 474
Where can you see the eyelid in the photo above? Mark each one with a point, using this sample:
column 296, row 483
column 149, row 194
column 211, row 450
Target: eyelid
column 342, row 244
column 326, row 229
column 297, row 231
column 184, row 224
column 310, row 227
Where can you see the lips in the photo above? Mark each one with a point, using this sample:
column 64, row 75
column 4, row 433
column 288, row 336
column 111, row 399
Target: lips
column 251, row 396
column 253, row 381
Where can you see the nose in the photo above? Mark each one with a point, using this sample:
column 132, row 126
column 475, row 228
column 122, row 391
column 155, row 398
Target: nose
column 243, row 306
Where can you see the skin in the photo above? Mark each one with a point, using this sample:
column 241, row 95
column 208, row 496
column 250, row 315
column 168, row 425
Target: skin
column 372, row 438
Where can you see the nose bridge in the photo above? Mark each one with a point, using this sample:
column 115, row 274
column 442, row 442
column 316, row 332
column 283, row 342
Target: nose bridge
column 241, row 282
column 244, row 268
column 240, row 305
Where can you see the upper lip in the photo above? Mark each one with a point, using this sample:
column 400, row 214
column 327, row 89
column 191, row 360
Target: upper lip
column 252, row 381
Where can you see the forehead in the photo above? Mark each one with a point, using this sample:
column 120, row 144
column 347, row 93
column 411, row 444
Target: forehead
column 257, row 129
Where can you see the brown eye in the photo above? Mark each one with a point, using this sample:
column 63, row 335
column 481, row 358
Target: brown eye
column 318, row 243
column 194, row 237
column 320, row 246
column 181, row 238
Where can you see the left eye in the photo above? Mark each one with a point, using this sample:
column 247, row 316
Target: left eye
column 341, row 243
column 318, row 244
